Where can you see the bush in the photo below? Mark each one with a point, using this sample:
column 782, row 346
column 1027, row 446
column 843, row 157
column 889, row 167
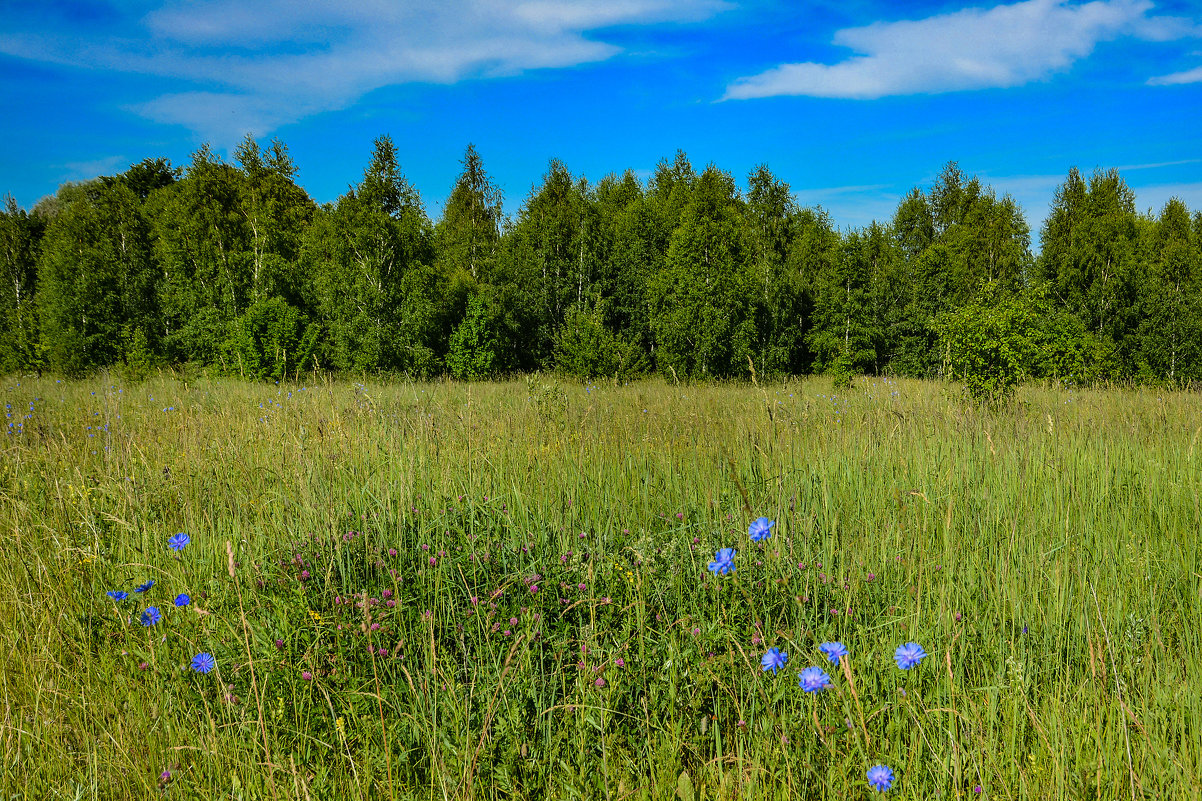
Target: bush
column 472, row 351
column 989, row 344
column 268, row 338
column 585, row 348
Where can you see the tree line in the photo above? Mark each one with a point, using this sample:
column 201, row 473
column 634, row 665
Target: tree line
column 231, row 265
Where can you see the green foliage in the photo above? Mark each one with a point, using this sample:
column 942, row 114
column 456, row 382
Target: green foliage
column 1089, row 257
column 549, row 258
column 585, row 348
column 199, row 341
column 685, row 275
column 473, row 348
column 359, row 255
column 140, row 357
column 1169, row 331
column 989, row 344
column 19, row 237
column 953, row 241
column 469, row 232
column 96, row 276
column 702, row 312
column 844, row 332
column 269, row 340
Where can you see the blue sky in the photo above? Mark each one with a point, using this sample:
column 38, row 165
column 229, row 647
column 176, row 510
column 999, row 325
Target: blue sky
column 851, row 102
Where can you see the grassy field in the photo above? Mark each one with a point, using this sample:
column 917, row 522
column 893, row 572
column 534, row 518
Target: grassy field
column 501, row 591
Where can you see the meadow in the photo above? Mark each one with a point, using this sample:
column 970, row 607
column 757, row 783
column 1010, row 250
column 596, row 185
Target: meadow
column 407, row 590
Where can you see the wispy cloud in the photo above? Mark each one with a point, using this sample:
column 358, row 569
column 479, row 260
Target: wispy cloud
column 87, row 170
column 853, row 206
column 1153, row 197
column 1003, row 46
column 256, row 66
column 1177, row 78
column 1156, row 165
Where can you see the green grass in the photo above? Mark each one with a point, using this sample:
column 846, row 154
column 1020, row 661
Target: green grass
column 1045, row 555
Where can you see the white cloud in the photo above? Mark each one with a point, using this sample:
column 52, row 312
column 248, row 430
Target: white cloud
column 87, row 170
column 256, row 66
column 1177, row 78
column 853, row 206
column 1003, row 46
column 1153, row 196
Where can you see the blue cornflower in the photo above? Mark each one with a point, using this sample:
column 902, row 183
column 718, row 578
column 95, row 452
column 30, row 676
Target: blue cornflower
column 909, row 655
column 774, row 660
column 151, row 615
column 203, row 663
column 178, row 542
column 833, row 650
column 149, row 583
column 724, row 561
column 117, row 595
column 761, row 529
column 813, row 679
column 880, row 777
column 182, row 599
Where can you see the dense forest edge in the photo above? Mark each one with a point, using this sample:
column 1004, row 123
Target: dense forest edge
column 233, row 267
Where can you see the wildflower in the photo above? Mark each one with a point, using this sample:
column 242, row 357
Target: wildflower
column 813, row 679
column 179, row 541
column 203, row 663
column 182, row 600
column 599, row 683
column 306, row 676
column 880, row 777
column 149, row 583
column 773, row 660
column 117, row 595
column 151, row 615
column 619, row 662
column 761, row 529
column 909, row 655
column 724, row 562
column 834, row 651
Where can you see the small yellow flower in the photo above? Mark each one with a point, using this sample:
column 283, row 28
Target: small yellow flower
column 316, row 617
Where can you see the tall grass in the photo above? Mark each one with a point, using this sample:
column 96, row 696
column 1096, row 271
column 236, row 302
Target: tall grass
column 500, row 591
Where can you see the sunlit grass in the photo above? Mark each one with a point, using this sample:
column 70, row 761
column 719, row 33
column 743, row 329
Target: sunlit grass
column 500, row 590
